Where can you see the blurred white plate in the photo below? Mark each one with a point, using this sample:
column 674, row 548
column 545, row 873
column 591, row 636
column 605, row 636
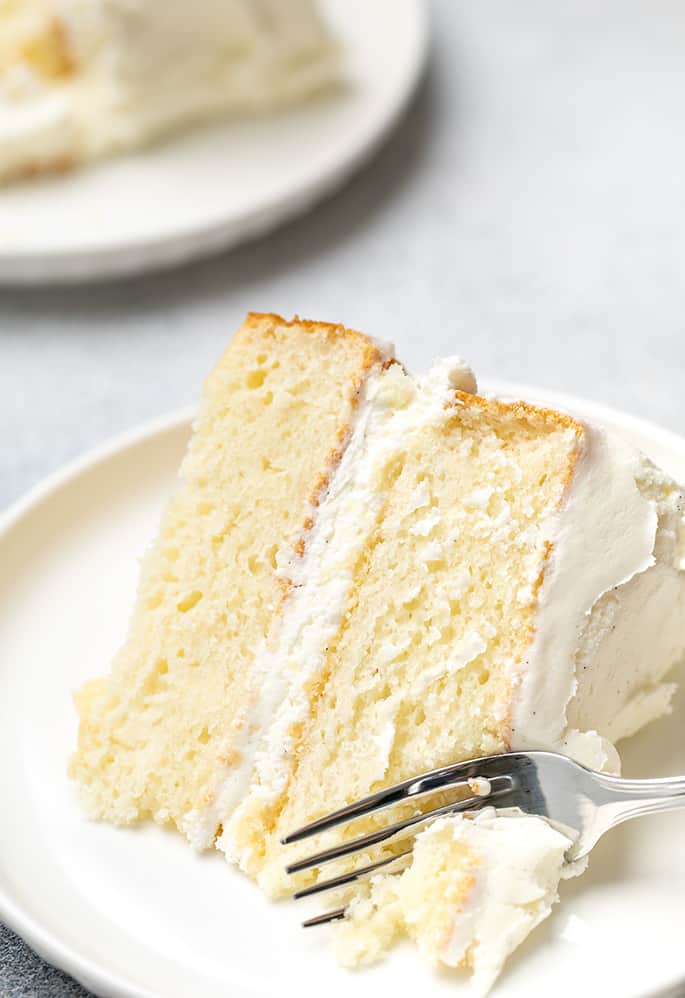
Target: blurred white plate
column 210, row 188
column 136, row 912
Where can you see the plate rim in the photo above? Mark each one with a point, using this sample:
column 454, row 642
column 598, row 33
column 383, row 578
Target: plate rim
column 122, row 258
column 47, row 943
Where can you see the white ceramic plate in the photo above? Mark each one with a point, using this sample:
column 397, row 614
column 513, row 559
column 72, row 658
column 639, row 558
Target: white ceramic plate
column 132, row 913
column 213, row 187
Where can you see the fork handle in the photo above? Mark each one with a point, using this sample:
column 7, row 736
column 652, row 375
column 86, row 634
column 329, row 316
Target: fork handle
column 633, row 798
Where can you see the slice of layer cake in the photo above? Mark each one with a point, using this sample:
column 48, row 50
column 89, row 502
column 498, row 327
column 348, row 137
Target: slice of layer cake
column 364, row 576
column 81, row 79
column 159, row 735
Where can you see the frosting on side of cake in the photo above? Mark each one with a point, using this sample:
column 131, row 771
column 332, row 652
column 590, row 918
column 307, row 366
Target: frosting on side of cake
column 595, row 668
column 87, row 78
column 395, row 406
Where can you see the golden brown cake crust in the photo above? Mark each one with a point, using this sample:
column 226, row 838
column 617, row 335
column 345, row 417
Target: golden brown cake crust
column 269, row 322
column 523, row 410
column 39, row 168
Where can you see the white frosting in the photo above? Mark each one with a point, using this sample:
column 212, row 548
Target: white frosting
column 449, row 372
column 607, row 627
column 395, row 407
column 142, row 67
column 520, row 861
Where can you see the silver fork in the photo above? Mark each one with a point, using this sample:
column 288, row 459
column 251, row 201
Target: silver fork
column 579, row 802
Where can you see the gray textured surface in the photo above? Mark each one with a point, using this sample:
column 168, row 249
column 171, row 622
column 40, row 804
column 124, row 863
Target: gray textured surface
column 24, row 974
column 530, row 214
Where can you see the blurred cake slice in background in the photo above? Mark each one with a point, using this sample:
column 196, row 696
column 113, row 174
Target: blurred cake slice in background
column 80, row 79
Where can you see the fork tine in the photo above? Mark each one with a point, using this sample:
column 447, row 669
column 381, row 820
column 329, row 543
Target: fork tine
column 328, row 916
column 373, row 838
column 348, row 878
column 435, row 779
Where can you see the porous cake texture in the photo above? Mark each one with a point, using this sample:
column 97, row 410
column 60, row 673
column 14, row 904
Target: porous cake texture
column 158, row 734
column 468, row 616
column 366, row 575
column 81, row 79
column 426, row 639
